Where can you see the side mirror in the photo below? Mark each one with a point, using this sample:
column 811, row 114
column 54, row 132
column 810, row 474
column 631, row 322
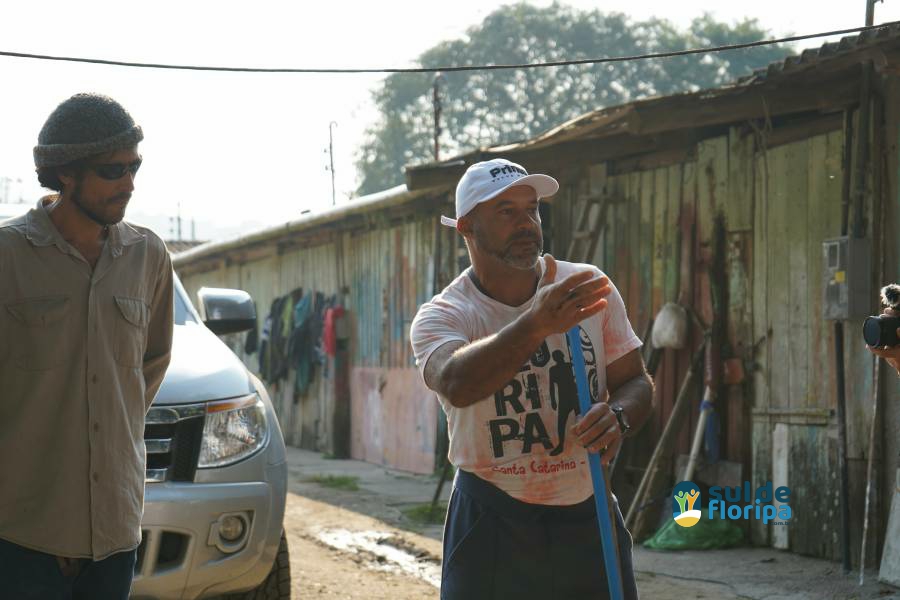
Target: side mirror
column 226, row 311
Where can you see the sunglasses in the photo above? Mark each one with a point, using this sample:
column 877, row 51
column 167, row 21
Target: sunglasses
column 113, row 171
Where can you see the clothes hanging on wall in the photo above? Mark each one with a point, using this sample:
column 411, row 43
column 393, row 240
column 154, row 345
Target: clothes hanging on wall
column 294, row 337
column 274, row 363
column 317, row 325
column 305, row 343
column 329, row 335
column 299, row 346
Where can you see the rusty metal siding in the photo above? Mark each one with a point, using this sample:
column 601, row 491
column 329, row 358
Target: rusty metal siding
column 303, row 419
column 394, row 417
column 387, row 272
column 393, row 275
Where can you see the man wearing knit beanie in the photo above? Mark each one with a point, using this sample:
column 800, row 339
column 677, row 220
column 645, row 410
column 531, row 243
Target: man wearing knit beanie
column 86, row 302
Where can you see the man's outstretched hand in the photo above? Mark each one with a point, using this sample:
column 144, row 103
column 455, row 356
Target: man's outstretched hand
column 559, row 306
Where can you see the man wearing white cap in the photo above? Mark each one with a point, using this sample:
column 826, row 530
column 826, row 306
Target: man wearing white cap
column 521, row 521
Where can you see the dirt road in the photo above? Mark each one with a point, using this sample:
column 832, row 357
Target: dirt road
column 322, row 571
column 352, row 545
column 351, row 536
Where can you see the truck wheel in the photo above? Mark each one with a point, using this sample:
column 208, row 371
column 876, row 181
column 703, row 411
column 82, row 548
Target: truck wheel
column 277, row 585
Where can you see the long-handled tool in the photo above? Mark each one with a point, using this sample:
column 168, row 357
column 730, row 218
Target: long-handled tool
column 707, row 425
column 601, row 490
column 648, row 481
column 707, row 407
column 873, row 428
column 869, row 475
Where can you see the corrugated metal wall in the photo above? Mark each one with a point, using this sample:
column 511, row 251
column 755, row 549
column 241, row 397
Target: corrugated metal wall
column 303, row 419
column 390, row 273
column 382, row 273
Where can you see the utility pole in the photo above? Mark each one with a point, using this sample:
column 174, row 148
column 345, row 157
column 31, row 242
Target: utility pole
column 870, row 12
column 436, row 102
column 331, row 126
column 175, row 224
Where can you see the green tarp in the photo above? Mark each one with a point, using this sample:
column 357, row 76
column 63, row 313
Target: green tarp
column 706, row 534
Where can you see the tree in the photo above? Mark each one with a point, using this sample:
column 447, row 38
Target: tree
column 482, row 108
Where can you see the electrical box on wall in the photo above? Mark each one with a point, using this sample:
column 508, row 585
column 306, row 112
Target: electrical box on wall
column 847, row 263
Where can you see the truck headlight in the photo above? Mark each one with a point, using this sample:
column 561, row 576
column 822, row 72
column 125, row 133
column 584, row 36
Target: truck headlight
column 234, row 429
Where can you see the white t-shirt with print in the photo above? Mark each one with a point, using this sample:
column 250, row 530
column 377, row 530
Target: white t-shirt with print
column 518, row 438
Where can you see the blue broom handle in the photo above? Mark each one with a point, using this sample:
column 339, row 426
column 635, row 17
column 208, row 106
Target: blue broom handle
column 601, row 502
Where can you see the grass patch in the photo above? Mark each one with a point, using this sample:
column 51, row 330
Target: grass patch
column 347, row 483
column 439, row 469
column 421, row 513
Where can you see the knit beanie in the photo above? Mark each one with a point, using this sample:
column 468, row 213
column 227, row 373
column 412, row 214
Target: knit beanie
column 82, row 126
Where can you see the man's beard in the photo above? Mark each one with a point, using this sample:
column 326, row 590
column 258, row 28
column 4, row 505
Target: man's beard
column 507, row 253
column 91, row 214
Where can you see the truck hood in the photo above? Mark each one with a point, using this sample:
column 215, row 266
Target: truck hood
column 203, row 368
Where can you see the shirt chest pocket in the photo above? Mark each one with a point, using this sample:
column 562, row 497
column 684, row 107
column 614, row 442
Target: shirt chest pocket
column 38, row 334
column 132, row 316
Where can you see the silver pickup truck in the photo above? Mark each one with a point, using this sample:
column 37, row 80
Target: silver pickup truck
column 216, row 470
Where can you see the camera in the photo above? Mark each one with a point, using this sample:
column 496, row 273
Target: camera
column 881, row 330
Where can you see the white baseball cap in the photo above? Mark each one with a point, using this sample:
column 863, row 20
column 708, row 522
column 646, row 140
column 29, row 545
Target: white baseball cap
column 486, row 180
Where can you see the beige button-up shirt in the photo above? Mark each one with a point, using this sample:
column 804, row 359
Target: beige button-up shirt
column 82, row 354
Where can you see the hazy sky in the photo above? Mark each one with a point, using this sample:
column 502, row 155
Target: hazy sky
column 242, row 150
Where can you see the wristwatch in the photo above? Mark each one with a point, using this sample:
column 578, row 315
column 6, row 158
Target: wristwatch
column 624, row 427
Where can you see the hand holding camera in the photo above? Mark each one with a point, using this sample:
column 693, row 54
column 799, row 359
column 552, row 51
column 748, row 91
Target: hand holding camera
column 882, row 332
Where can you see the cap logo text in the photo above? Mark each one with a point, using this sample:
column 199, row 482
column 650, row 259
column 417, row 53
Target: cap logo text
column 506, row 170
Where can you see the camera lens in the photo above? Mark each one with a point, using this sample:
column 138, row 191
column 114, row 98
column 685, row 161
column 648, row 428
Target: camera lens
column 872, row 331
column 881, row 331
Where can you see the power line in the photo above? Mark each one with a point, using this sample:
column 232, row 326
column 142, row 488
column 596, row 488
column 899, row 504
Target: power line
column 557, row 63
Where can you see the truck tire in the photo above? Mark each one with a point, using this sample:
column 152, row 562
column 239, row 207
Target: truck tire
column 277, row 584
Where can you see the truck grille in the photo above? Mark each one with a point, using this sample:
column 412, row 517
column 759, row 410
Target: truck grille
column 172, row 436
